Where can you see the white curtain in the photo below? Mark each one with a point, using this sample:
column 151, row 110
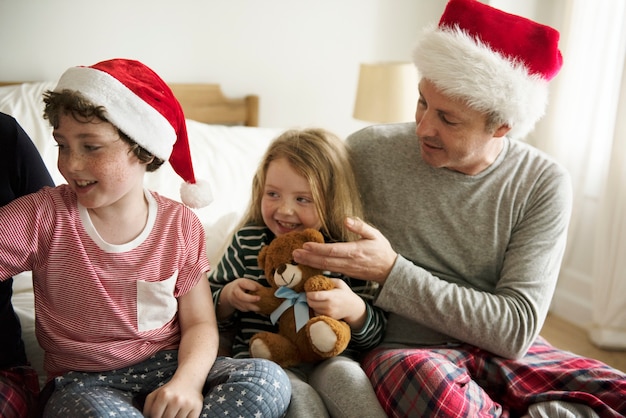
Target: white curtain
column 609, row 298
column 585, row 128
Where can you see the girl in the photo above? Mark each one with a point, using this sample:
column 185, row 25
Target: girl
column 124, row 310
column 304, row 181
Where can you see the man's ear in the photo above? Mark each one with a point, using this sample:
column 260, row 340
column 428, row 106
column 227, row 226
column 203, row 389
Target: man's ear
column 501, row 131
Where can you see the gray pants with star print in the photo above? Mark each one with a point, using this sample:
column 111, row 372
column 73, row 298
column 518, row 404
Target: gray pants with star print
column 234, row 387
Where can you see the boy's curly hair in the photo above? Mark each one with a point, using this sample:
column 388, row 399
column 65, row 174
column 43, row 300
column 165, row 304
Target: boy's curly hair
column 70, row 102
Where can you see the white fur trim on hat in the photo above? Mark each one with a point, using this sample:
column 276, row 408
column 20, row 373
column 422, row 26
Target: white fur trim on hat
column 123, row 108
column 464, row 68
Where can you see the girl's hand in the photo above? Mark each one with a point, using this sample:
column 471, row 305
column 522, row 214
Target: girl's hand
column 339, row 303
column 174, row 399
column 236, row 295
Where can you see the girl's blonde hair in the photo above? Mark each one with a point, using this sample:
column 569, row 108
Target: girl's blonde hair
column 322, row 158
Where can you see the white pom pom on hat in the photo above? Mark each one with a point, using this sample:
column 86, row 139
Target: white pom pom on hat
column 495, row 61
column 139, row 103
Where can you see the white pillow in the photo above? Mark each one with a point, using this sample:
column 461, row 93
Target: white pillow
column 227, row 158
column 25, row 103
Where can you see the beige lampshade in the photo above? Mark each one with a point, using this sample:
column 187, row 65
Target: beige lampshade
column 387, row 92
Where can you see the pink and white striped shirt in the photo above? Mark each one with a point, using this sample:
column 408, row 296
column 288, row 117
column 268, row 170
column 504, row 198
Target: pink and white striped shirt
column 100, row 306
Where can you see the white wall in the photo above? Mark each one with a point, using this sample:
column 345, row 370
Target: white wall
column 301, row 57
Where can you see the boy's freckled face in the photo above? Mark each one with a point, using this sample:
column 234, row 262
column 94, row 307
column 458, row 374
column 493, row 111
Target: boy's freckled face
column 96, row 162
column 287, row 203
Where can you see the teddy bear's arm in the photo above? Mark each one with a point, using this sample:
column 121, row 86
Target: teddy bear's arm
column 268, row 302
column 317, row 283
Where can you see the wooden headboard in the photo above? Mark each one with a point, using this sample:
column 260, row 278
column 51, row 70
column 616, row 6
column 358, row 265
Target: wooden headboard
column 206, row 103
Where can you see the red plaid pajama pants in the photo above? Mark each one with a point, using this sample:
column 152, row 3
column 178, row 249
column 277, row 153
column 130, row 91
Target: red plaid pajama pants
column 466, row 381
column 19, row 388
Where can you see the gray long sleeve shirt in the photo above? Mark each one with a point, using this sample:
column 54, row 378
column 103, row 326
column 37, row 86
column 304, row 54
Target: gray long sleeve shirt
column 479, row 255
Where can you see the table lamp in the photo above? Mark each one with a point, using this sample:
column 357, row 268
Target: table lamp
column 387, row 92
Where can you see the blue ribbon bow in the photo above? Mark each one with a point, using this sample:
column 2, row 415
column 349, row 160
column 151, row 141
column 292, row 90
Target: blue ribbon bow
column 295, row 299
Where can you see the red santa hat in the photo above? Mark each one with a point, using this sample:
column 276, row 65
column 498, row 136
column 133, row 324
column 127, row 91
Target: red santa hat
column 139, row 103
column 495, row 61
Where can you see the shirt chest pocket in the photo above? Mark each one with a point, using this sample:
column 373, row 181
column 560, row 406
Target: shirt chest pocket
column 156, row 304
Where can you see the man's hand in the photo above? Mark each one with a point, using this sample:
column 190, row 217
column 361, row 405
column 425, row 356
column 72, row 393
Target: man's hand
column 369, row 258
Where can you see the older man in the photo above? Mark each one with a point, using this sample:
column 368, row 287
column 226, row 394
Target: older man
column 470, row 230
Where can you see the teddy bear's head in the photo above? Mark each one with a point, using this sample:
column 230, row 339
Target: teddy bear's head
column 277, row 262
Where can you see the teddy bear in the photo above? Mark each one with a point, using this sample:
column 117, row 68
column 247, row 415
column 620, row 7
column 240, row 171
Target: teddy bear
column 302, row 336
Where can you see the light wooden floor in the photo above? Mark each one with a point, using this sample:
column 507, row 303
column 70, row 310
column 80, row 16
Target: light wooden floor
column 565, row 335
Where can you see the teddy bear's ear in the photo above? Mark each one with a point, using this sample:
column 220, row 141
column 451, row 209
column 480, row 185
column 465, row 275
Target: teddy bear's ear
column 313, row 235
